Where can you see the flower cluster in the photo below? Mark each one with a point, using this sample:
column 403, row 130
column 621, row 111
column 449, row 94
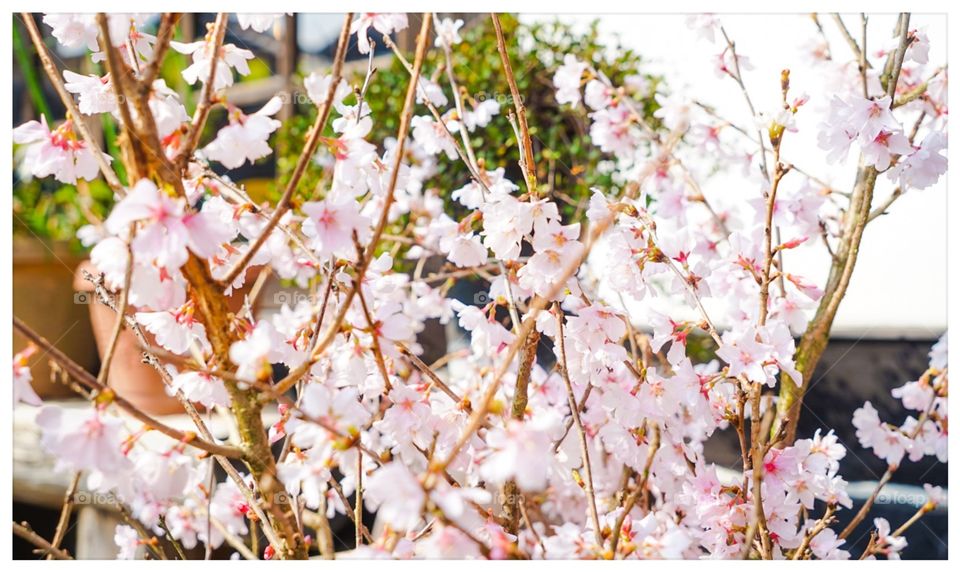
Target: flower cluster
column 574, row 421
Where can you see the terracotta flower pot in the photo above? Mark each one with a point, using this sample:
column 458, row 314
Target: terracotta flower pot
column 132, row 379
column 44, row 298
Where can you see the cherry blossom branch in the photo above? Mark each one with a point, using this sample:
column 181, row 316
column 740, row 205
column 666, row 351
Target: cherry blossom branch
column 778, row 174
column 104, row 374
column 738, row 77
column 814, row 340
column 150, row 357
column 224, row 463
column 887, row 475
column 759, row 524
column 358, row 507
column 865, row 509
column 518, row 410
column 90, row 382
column 119, row 77
column 823, row 36
column 144, row 153
column 851, row 41
column 924, row 509
column 374, row 340
column 207, row 100
column 318, row 522
column 231, row 539
column 580, row 408
column 168, row 21
column 147, row 539
column 891, row 71
column 177, row 545
column 464, row 151
column 821, row 524
column 750, row 137
column 882, row 208
column 405, row 116
column 526, row 519
column 64, row 520
column 434, row 378
column 53, row 74
column 529, row 321
column 32, row 537
column 351, row 514
column 701, row 198
column 652, row 447
column 473, row 166
column 578, row 423
column 458, row 103
column 402, row 132
column 919, row 90
column 306, row 156
column 862, row 62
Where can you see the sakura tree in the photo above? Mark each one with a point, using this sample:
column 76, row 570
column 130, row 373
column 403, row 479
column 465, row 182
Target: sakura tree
column 492, row 452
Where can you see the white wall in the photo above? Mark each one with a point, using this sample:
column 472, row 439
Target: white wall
column 900, row 284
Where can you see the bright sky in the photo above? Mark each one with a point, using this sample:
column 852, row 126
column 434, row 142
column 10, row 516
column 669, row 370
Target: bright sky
column 899, row 287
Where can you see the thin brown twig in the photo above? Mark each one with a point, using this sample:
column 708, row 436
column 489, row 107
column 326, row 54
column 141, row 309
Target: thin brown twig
column 428, row 371
column 528, row 165
column 200, row 114
column 103, row 376
column 168, row 21
column 64, row 520
column 32, row 537
column 631, row 501
column 306, row 156
column 821, row 524
column 575, row 412
column 90, row 382
column 851, row 41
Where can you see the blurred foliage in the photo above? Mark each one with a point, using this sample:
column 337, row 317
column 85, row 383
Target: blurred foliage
column 567, row 162
column 51, row 210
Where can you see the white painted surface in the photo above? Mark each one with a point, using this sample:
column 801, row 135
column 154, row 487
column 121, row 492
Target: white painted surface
column 899, row 287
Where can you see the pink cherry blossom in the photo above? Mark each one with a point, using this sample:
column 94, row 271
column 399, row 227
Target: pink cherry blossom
column 385, row 24
column 746, row 356
column 567, row 80
column 59, row 152
column 23, row 391
column 245, row 139
column 231, row 58
column 332, row 224
column 127, row 540
column 166, row 232
column 257, row 22
column 90, row 440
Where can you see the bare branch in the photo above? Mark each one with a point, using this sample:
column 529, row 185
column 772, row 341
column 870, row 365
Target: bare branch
column 32, row 537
